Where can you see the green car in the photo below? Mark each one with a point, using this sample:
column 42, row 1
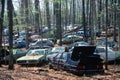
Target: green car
column 17, row 53
column 34, row 57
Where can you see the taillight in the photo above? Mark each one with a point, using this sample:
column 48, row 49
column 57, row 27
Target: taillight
column 80, row 67
column 100, row 67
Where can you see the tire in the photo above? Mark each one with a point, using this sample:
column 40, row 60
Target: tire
column 50, row 66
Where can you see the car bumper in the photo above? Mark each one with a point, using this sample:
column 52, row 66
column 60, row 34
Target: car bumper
column 28, row 62
column 81, row 72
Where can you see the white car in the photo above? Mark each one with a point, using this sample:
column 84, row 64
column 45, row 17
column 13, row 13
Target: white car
column 58, row 49
column 100, row 50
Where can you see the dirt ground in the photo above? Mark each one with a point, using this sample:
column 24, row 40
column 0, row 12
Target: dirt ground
column 44, row 73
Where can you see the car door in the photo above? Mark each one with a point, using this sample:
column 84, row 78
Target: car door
column 55, row 61
column 62, row 60
column 19, row 53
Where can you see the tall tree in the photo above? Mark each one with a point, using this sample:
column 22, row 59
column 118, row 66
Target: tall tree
column 115, row 36
column 1, row 22
column 118, row 21
column 106, row 61
column 99, row 14
column 92, row 20
column 83, row 19
column 37, row 16
column 22, row 11
column 57, row 12
column 27, row 22
column 66, row 14
column 10, row 19
column 74, row 12
column 48, row 15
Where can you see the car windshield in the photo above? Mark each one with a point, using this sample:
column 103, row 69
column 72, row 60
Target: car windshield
column 40, row 52
column 58, row 49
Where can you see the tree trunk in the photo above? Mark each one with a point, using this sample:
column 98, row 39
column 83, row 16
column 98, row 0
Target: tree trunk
column 114, row 34
column 118, row 21
column 57, row 6
column 66, row 15
column 48, row 16
column 74, row 12
column 99, row 15
column 10, row 18
column 106, row 61
column 83, row 20
column 1, row 23
column 37, row 16
column 22, row 11
column 92, row 21
column 27, row 22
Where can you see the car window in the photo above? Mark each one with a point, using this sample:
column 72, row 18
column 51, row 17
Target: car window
column 39, row 52
column 19, row 51
column 58, row 56
column 64, row 56
column 99, row 50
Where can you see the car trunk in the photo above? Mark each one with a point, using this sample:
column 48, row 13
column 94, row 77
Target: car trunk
column 87, row 60
column 82, row 51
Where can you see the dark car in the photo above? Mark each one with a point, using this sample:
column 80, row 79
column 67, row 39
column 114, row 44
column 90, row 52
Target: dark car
column 19, row 44
column 80, row 61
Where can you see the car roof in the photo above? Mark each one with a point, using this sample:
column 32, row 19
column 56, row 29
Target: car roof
column 38, row 49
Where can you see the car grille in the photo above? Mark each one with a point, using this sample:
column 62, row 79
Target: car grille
column 19, row 62
column 27, row 62
column 32, row 61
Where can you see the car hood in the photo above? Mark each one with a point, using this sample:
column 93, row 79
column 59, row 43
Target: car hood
column 30, row 57
column 80, row 51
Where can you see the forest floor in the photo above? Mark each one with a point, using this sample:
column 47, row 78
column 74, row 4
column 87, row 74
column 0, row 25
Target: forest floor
column 44, row 73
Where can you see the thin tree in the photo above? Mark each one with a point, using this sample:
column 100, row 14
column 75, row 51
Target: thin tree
column 57, row 12
column 83, row 20
column 37, row 16
column 99, row 14
column 48, row 15
column 27, row 22
column 66, row 14
column 106, row 61
column 118, row 21
column 1, row 23
column 114, row 35
column 10, row 19
column 74, row 12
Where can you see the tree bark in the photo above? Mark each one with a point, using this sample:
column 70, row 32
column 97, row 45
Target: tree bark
column 83, row 20
column 114, row 33
column 1, row 23
column 10, row 18
column 48, row 16
column 37, row 16
column 106, row 61
column 57, row 6
column 27, row 22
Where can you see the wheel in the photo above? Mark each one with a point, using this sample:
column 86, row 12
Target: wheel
column 50, row 66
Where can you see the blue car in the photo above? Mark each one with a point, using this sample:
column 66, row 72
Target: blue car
column 19, row 44
column 78, row 61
